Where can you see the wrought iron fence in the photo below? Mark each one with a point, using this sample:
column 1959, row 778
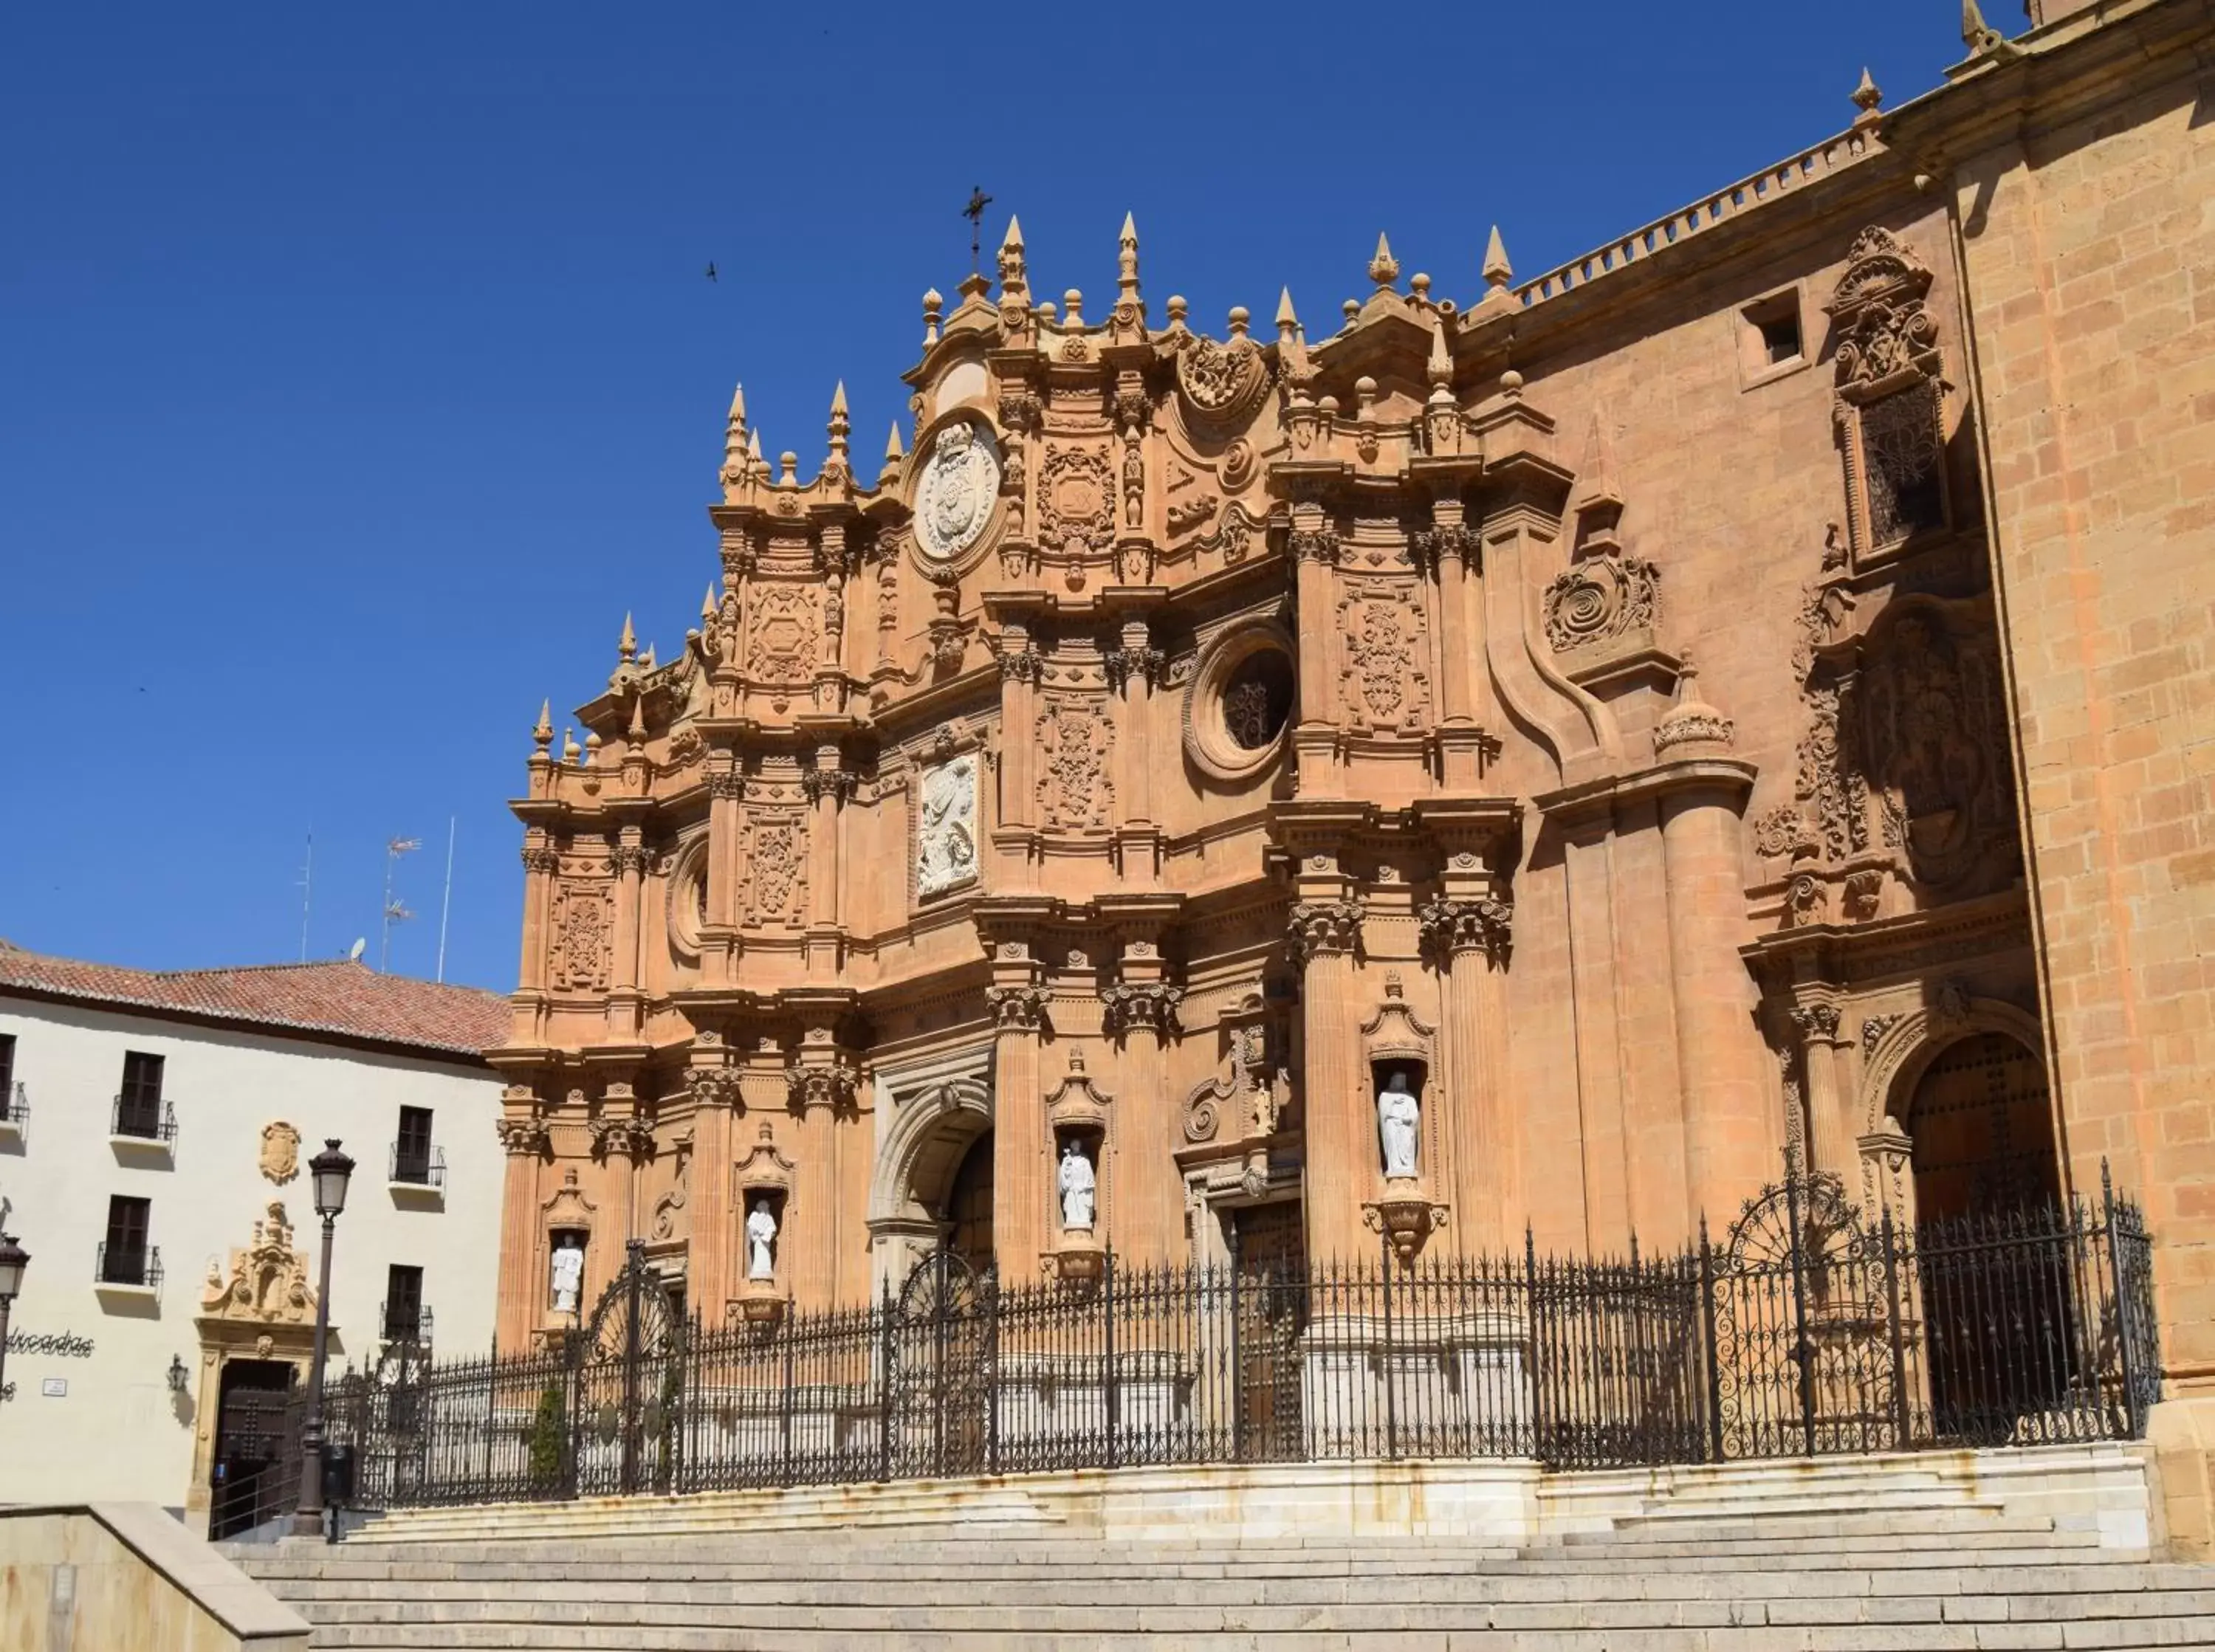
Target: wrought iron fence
column 1805, row 1332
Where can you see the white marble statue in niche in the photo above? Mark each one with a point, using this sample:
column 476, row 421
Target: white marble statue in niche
column 946, row 832
column 761, row 1241
column 1399, row 1120
column 568, row 1273
column 954, row 499
column 1079, row 1186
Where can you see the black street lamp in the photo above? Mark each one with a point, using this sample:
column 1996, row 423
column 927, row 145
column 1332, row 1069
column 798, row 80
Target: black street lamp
column 14, row 1259
column 330, row 1169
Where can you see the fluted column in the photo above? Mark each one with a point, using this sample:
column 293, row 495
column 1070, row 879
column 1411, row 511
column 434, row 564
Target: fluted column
column 725, row 788
column 1337, row 1110
column 539, row 863
column 1722, row 1073
column 1314, row 546
column 1141, row 1010
column 711, row 1272
column 1023, row 1146
column 1019, row 674
column 522, row 1284
column 1831, row 1125
column 1470, row 936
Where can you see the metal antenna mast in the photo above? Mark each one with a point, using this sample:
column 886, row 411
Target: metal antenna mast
column 446, row 901
column 394, row 912
column 307, row 893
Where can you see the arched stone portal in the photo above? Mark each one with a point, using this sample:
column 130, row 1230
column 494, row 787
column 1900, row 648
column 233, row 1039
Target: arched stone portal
column 1981, row 1129
column 931, row 1119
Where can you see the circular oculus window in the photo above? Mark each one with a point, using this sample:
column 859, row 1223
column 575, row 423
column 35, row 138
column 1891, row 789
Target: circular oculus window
column 1240, row 702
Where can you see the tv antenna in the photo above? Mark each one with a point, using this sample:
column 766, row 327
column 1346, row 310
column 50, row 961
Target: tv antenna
column 394, row 911
column 978, row 200
column 355, row 951
column 307, row 893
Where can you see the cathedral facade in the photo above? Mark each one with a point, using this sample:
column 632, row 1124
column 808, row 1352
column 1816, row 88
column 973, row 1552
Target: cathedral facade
column 1552, row 761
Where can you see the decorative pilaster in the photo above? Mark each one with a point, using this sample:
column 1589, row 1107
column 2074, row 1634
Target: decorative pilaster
column 1140, row 1010
column 1823, row 1054
column 1023, row 1142
column 522, row 1139
column 1340, row 1123
column 1469, row 936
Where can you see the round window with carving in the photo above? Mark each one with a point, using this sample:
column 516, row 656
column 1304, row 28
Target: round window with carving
column 1240, row 702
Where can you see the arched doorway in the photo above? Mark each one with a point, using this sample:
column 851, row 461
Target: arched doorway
column 969, row 1206
column 1983, row 1131
column 1994, row 1259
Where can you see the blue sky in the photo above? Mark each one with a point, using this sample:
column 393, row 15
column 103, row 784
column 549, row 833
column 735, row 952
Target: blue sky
column 358, row 370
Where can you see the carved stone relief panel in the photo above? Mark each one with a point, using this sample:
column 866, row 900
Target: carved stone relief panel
column 1075, row 500
column 1221, row 383
column 945, row 829
column 1891, row 405
column 1601, row 599
column 584, row 923
column 953, row 496
column 785, row 635
column 776, row 869
column 1387, row 682
column 1075, row 792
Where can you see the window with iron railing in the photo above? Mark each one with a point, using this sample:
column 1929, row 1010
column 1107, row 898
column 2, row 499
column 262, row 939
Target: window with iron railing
column 415, row 1160
column 15, row 1108
column 406, row 1316
column 139, row 1110
column 125, row 1257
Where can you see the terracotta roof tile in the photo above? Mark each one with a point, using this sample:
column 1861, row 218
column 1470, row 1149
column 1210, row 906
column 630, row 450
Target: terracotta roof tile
column 342, row 999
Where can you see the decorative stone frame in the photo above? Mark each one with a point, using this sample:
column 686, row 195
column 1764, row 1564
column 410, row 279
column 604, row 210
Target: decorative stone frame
column 567, row 1210
column 937, row 1110
column 957, row 567
column 765, row 1173
column 687, row 860
column 1892, row 1068
column 1884, row 347
column 1396, row 1035
column 1079, row 1108
column 1207, row 739
column 959, row 737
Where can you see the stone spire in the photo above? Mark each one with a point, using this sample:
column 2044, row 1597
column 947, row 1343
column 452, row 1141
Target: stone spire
column 1868, row 97
column 756, row 465
column 840, row 428
column 894, row 454
column 626, row 644
column 1014, row 283
column 1498, row 273
column 734, row 436
column 932, row 302
column 708, row 604
column 541, row 733
column 1383, row 268
column 1126, row 263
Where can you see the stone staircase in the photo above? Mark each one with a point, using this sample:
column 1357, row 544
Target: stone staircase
column 1955, row 1573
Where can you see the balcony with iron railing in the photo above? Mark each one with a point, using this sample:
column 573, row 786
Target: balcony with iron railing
column 129, row 1270
column 400, row 1327
column 418, row 1172
column 15, row 1118
column 143, row 1127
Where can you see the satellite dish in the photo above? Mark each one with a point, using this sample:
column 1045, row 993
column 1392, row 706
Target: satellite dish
column 353, row 952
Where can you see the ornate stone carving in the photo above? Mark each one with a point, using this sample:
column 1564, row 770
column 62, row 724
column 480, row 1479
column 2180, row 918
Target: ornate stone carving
column 1778, row 832
column 953, row 496
column 281, row 1152
column 1828, row 781
column 1143, row 1004
column 1807, row 901
column 1238, row 465
column 539, row 857
column 1599, row 599
column 1022, row 665
column 832, row 1084
column 1433, row 546
column 1816, row 1020
column 714, row 1086
column 1221, row 383
column 1075, row 792
column 1318, row 926
column 1018, row 1008
column 1451, row 925
column 837, row 783
column 946, row 827
column 784, row 634
column 1864, row 892
column 1190, row 510
column 1699, row 729
column 1931, row 724
column 521, row 1137
column 776, row 857
column 631, row 1137
column 1387, row 678
column 583, row 918
column 1122, row 664
column 1874, row 1027
column 1891, row 393
column 1077, row 500
column 1878, row 304
column 1313, row 545
column 269, row 1279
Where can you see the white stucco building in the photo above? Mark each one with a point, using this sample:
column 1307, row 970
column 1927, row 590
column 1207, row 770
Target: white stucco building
column 154, row 1148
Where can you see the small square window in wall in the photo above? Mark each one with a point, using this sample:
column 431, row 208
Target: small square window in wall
column 1771, row 342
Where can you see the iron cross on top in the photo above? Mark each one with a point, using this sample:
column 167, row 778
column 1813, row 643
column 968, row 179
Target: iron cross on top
column 978, row 200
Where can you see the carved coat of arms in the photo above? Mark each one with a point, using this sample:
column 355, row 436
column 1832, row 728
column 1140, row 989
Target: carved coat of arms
column 946, row 833
column 280, row 1152
column 954, row 499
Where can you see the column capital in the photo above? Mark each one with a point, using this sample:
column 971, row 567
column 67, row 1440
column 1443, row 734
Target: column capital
column 1320, row 927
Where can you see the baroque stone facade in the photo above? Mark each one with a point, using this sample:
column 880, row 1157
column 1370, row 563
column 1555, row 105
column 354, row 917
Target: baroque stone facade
column 1186, row 733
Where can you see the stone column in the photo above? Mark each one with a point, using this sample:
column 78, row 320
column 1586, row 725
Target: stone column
column 1337, row 1110
column 725, row 788
column 711, row 1274
column 1469, row 936
column 540, row 862
column 1023, row 1146
column 626, row 1003
column 1831, row 1146
column 522, row 1287
column 1314, row 546
column 1731, row 1131
column 1019, row 675
column 1148, row 1221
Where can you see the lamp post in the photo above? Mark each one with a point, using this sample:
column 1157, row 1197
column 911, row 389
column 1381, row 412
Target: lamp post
column 330, row 1169
column 14, row 1259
